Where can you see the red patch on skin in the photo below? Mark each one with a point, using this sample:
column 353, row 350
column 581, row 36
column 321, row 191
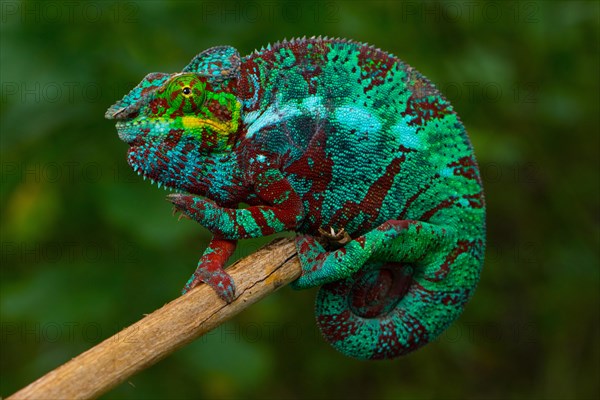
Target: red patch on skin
column 222, row 250
column 389, row 341
column 158, row 107
column 424, row 109
column 163, row 160
column 475, row 200
column 373, row 66
column 305, row 246
column 209, row 141
column 230, row 86
column 374, row 198
column 444, row 204
column 220, row 111
column 462, row 246
column 152, row 78
column 147, row 89
column 247, row 88
column 189, row 147
column 417, row 336
column 260, row 220
column 360, row 240
column 337, row 327
column 466, row 167
column 308, row 62
column 285, row 212
column 173, row 137
column 456, row 297
column 195, row 185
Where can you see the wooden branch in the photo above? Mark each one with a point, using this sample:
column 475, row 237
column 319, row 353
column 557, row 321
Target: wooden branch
column 174, row 325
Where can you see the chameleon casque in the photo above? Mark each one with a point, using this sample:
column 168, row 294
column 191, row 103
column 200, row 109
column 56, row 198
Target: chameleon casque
column 344, row 144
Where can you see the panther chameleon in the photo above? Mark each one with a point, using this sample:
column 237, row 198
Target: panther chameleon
column 340, row 142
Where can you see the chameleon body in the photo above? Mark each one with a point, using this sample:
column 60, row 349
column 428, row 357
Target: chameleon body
column 344, row 144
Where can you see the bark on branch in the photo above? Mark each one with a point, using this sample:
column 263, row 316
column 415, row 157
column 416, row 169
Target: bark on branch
column 167, row 329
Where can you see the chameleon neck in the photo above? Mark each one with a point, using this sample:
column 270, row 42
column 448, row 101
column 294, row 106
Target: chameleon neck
column 181, row 166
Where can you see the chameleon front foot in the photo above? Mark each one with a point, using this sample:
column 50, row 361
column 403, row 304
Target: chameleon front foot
column 220, row 281
column 210, row 269
column 218, row 220
column 177, row 212
column 191, row 207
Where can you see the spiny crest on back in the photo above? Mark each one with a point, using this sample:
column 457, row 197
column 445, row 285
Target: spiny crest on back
column 316, row 40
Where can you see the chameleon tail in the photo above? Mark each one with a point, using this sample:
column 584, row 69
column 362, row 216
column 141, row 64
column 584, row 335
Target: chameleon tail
column 386, row 310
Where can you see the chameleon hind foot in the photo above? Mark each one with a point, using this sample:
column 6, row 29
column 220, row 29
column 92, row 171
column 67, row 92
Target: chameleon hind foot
column 334, row 239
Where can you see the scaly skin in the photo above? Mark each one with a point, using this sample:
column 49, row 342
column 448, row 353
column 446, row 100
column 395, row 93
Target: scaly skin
column 340, row 142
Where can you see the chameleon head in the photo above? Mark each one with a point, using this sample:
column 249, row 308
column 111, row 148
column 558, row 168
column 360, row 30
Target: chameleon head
column 167, row 110
column 168, row 119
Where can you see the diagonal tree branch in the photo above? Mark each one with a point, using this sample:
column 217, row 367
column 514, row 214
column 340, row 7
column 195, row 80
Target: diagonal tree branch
column 167, row 329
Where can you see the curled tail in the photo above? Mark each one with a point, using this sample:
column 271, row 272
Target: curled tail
column 387, row 310
column 392, row 290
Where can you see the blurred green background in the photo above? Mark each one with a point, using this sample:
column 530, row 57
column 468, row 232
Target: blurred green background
column 88, row 247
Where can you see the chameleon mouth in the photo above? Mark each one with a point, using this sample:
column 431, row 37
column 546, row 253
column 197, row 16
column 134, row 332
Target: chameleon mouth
column 127, row 134
column 121, row 113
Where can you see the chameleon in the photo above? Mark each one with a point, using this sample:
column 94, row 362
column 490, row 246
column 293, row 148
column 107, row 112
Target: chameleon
column 340, row 142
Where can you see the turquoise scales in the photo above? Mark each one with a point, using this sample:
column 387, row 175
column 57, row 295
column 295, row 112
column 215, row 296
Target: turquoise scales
column 340, row 142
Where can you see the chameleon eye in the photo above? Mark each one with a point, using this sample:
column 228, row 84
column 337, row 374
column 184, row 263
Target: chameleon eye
column 185, row 92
